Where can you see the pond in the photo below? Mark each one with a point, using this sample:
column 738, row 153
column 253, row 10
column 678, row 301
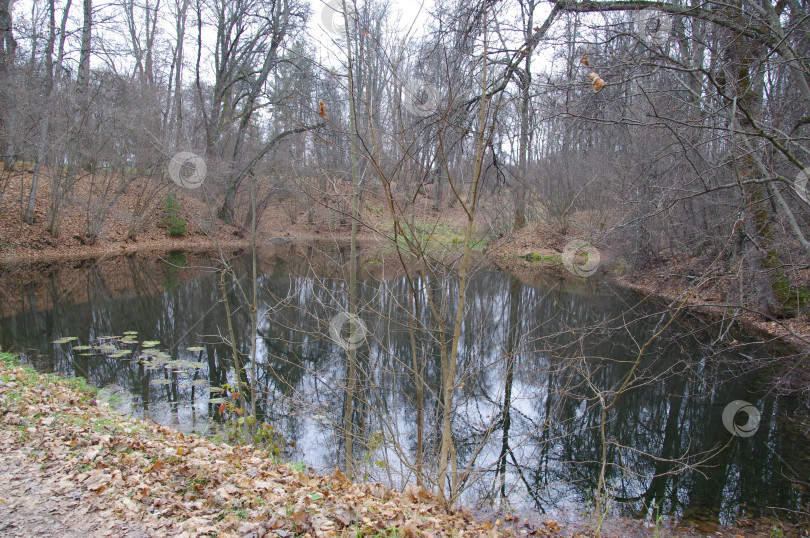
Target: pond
column 534, row 358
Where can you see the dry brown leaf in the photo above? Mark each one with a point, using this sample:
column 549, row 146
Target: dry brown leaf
column 97, row 482
column 409, row 529
column 597, row 81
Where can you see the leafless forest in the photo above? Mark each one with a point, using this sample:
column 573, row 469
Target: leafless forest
column 673, row 129
column 660, row 131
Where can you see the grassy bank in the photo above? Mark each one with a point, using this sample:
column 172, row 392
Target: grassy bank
column 174, row 484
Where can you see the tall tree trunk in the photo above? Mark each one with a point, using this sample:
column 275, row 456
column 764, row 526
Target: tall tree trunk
column 8, row 47
column 177, row 117
column 84, row 55
column 351, row 381
column 46, row 116
column 760, row 255
column 525, row 81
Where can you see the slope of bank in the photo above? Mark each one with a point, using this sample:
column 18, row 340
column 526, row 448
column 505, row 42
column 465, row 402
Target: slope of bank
column 72, row 467
column 96, row 222
column 704, row 286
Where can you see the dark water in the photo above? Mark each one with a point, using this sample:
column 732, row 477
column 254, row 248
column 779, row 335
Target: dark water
column 532, row 361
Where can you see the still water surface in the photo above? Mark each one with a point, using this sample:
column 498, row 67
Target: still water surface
column 532, row 360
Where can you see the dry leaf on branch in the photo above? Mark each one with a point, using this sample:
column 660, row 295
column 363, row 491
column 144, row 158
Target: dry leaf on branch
column 597, row 81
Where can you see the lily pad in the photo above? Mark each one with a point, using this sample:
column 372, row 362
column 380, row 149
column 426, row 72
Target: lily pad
column 199, row 383
column 195, row 348
column 160, row 382
column 65, row 340
column 150, row 343
column 216, row 400
column 82, row 348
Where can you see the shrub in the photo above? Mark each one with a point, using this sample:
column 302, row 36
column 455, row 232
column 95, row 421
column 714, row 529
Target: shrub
column 171, row 217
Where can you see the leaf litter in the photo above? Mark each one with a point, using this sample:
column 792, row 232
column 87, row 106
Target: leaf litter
column 140, row 475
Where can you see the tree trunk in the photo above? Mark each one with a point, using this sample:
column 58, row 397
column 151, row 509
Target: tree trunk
column 525, row 81
column 46, row 116
column 8, row 47
column 351, row 381
column 84, row 55
column 178, row 78
column 760, row 255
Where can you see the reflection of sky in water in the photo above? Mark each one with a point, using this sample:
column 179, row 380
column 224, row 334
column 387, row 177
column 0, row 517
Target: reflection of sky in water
column 182, row 415
column 553, row 432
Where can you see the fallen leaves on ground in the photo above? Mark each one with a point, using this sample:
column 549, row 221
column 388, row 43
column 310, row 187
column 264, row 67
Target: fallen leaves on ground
column 173, row 484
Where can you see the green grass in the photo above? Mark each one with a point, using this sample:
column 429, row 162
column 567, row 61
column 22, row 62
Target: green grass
column 78, row 383
column 548, row 259
column 391, row 532
column 9, row 359
column 33, row 377
column 375, row 208
column 433, row 236
column 241, row 513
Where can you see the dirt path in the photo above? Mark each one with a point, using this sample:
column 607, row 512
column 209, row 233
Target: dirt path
column 43, row 501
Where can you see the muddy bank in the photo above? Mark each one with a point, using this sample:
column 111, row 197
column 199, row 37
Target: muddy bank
column 538, row 256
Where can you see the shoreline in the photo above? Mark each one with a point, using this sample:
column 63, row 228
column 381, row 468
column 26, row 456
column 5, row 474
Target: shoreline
column 655, row 284
column 105, row 472
column 138, row 475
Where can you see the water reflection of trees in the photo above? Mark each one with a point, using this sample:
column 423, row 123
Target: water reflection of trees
column 526, row 420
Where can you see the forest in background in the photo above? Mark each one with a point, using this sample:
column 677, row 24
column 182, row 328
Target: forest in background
column 670, row 129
